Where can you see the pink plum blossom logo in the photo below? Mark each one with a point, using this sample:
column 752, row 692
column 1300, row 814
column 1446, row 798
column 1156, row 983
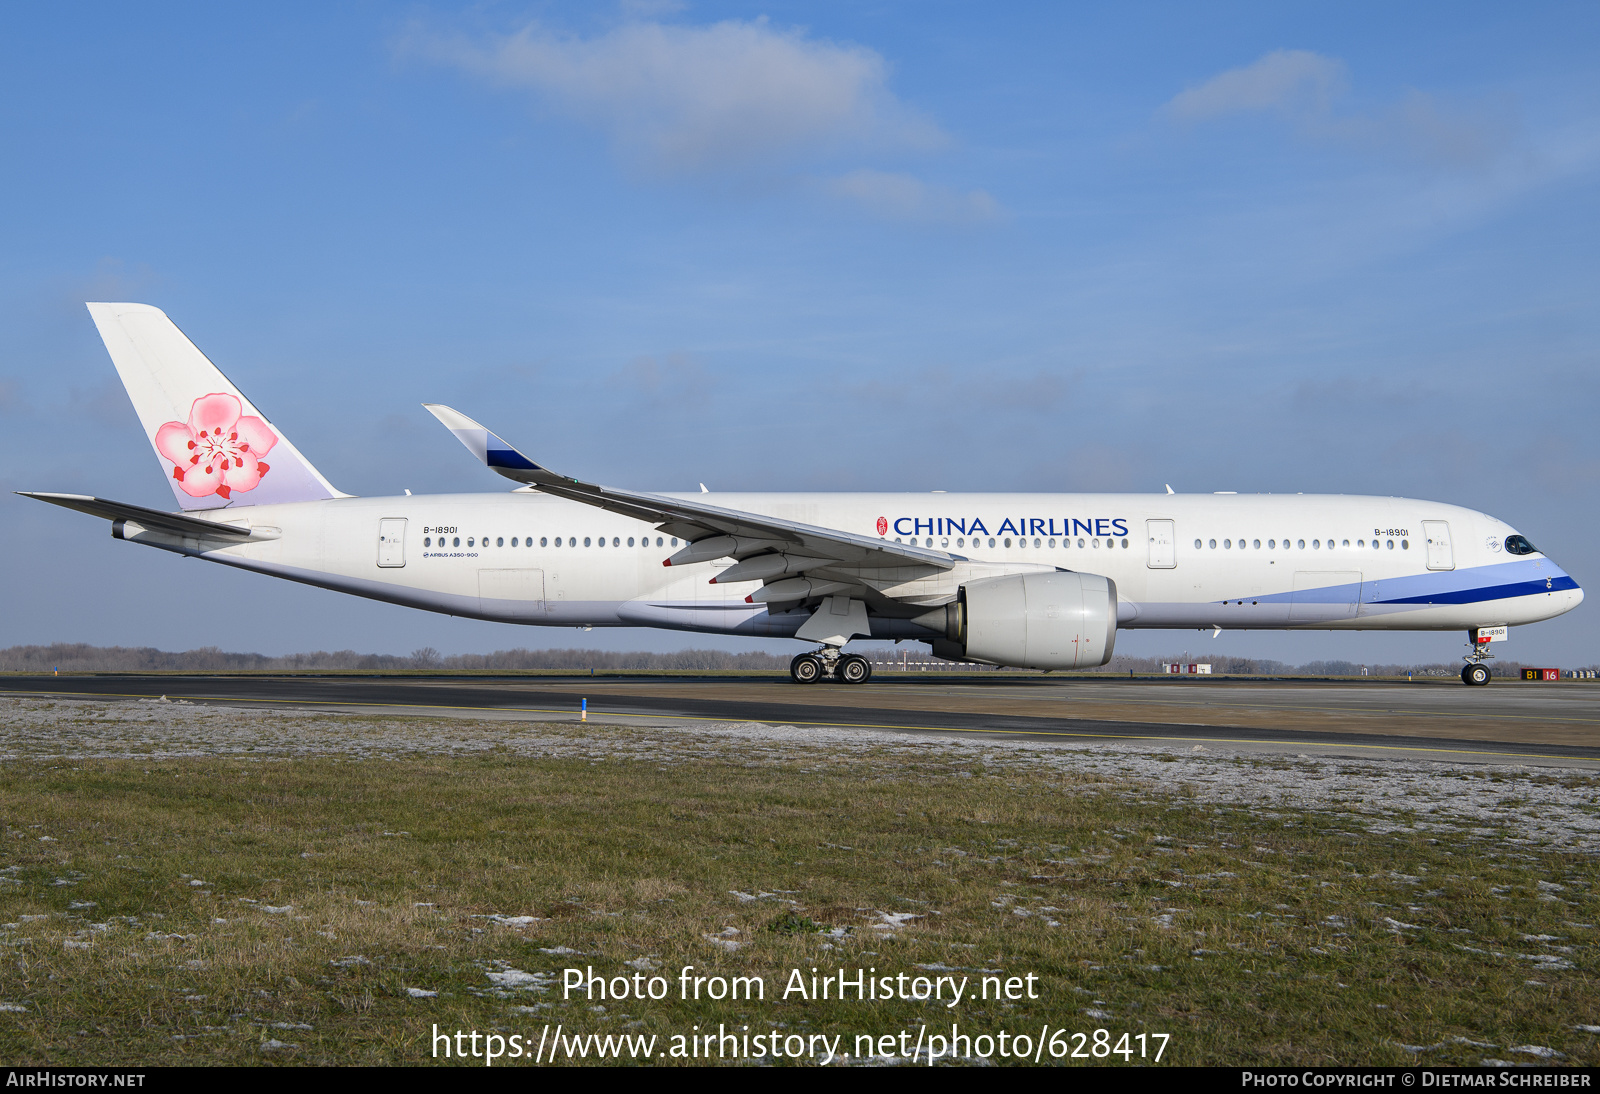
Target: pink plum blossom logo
column 216, row 451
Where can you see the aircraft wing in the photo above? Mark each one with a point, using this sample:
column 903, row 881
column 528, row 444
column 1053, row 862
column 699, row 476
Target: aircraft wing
column 704, row 526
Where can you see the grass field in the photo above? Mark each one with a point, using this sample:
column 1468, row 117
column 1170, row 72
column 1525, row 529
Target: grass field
column 192, row 885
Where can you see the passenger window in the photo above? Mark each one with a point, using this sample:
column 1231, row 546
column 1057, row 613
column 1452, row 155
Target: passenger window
column 1008, row 543
column 513, row 541
column 929, row 542
column 1227, row 545
column 1316, row 545
column 674, row 541
column 961, row 542
column 1302, row 544
column 630, row 541
column 991, row 541
column 1257, row 544
column 1052, row 542
column 1390, row 543
column 500, row 541
column 586, row 541
column 427, row 541
column 1346, row 543
column 1198, row 545
column 456, row 542
column 1361, row 543
column 1094, row 543
column 543, row 542
column 1405, row 545
column 1036, row 543
column 1272, row 544
column 616, row 541
column 469, row 541
column 1124, row 544
column 1213, row 545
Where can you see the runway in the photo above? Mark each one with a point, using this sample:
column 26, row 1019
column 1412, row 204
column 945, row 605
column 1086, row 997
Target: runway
column 1507, row 722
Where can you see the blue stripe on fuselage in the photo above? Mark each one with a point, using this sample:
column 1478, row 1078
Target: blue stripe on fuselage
column 1488, row 592
column 1471, row 585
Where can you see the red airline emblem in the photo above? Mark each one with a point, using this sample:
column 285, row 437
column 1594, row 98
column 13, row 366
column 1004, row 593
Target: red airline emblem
column 883, row 526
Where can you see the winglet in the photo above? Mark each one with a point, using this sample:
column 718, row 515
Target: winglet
column 491, row 451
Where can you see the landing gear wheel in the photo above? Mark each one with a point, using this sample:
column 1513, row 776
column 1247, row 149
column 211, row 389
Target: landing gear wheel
column 853, row 669
column 1475, row 675
column 806, row 668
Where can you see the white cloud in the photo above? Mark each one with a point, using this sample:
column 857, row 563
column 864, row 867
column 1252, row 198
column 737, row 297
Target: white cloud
column 685, row 100
column 1303, row 88
column 1420, row 128
column 1291, row 81
column 897, row 196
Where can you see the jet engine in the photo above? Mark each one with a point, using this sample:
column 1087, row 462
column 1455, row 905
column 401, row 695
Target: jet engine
column 1058, row 620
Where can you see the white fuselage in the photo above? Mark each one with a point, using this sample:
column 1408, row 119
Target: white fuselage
column 1234, row 561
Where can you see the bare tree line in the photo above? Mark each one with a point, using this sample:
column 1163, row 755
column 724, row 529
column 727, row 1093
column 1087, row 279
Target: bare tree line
column 80, row 657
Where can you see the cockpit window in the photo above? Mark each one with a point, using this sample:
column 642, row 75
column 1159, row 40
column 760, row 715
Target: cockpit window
column 1519, row 545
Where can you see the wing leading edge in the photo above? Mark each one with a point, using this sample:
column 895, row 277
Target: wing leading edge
column 693, row 520
column 796, row 562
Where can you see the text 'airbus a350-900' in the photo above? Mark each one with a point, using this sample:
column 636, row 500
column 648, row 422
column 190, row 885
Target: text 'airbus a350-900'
column 1040, row 581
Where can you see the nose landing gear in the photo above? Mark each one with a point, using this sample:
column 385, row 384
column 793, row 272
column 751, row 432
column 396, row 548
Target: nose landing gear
column 830, row 663
column 1476, row 673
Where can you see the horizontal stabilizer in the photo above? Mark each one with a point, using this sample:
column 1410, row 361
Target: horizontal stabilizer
column 177, row 524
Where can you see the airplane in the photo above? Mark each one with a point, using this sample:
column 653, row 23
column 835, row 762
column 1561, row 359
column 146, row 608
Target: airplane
column 1034, row 581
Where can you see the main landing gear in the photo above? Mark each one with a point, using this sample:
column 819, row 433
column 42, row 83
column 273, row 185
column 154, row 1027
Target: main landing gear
column 830, row 663
column 1475, row 675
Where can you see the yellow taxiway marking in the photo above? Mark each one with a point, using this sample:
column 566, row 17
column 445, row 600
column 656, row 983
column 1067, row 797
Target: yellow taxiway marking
column 848, row 725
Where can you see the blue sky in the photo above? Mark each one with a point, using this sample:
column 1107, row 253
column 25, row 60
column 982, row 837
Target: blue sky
column 1345, row 249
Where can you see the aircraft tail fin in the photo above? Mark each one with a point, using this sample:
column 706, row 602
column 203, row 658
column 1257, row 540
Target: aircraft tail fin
column 216, row 448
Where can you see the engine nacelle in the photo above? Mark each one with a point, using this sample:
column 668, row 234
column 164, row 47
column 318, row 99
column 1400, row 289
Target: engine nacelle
column 1033, row 621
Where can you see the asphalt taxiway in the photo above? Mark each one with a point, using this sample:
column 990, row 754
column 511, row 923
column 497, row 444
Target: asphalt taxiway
column 1507, row 722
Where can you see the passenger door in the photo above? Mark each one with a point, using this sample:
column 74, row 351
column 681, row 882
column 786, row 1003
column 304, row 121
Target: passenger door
column 1163, row 544
column 392, row 542
column 1440, row 555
